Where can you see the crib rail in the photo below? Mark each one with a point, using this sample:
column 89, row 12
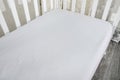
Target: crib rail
column 14, row 13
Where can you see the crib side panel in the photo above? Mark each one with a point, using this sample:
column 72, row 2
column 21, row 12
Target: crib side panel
column 36, row 7
column 3, row 23
column 83, row 6
column 44, row 6
column 19, row 12
column 117, row 18
column 12, row 6
column 1, row 31
column 106, row 10
column 65, row 4
column 94, row 7
column 26, row 10
column 73, row 5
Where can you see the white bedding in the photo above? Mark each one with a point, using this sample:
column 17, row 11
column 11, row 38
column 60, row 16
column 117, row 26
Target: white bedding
column 59, row 45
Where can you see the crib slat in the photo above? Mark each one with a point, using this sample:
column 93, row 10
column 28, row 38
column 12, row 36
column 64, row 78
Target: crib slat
column 3, row 23
column 83, row 6
column 51, row 4
column 12, row 6
column 25, row 6
column 57, row 4
column 117, row 18
column 106, row 10
column 94, row 7
column 44, row 6
column 2, row 6
column 36, row 7
column 73, row 5
column 64, row 4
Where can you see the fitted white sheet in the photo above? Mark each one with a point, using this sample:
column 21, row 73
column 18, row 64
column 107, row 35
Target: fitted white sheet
column 60, row 45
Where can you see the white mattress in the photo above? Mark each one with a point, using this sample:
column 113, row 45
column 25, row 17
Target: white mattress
column 60, row 45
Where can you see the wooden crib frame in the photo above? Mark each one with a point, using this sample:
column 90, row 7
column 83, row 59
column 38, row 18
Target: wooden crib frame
column 40, row 8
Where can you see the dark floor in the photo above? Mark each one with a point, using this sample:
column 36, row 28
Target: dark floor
column 109, row 68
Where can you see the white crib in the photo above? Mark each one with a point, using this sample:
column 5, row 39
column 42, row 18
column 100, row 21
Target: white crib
column 59, row 45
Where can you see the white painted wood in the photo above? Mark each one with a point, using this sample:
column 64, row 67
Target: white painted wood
column 3, row 23
column 44, row 6
column 20, row 2
column 59, row 4
column 29, row 1
column 94, row 7
column 106, row 10
column 112, row 18
column 12, row 6
column 51, row 4
column 64, row 4
column 73, row 5
column 26, row 9
column 83, row 6
column 117, row 18
column 56, row 4
column 2, row 6
column 36, row 7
